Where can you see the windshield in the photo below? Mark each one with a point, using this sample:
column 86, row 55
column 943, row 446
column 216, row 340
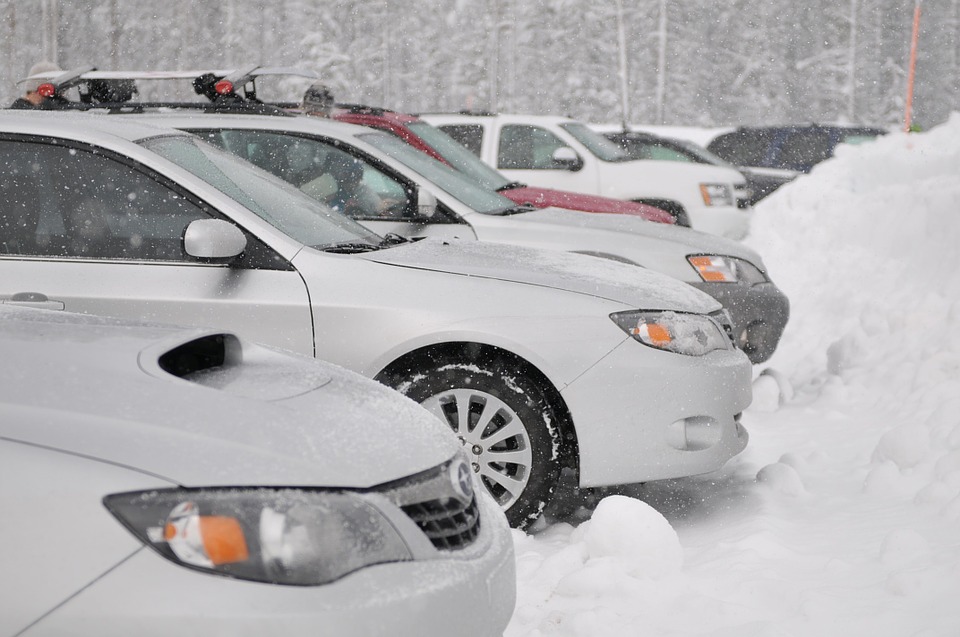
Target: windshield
column 596, row 143
column 270, row 198
column 458, row 155
column 462, row 188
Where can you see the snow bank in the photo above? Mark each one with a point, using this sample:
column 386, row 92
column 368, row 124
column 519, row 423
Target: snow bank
column 842, row 516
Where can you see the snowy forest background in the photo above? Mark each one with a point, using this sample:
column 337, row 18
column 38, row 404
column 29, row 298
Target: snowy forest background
column 689, row 62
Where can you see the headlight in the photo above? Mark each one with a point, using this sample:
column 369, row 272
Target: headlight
column 716, row 194
column 690, row 334
column 726, row 269
column 280, row 536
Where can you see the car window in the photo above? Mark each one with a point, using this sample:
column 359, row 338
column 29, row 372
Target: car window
column 662, row 153
column 275, row 201
column 321, row 170
column 803, row 149
column 468, row 135
column 742, row 148
column 858, row 138
column 459, row 186
column 600, row 146
column 61, row 201
column 458, row 156
column 528, row 148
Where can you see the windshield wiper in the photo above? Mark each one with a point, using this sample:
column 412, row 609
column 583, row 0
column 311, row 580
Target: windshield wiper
column 393, row 239
column 350, row 247
column 514, row 210
column 511, row 186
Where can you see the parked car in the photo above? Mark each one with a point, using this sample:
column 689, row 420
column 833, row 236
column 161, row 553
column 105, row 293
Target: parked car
column 642, row 145
column 558, row 152
column 783, row 152
column 161, row 480
column 109, row 216
column 436, row 143
column 308, row 151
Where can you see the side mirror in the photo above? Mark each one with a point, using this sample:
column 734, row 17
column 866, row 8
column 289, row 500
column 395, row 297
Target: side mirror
column 426, row 204
column 213, row 240
column 566, row 158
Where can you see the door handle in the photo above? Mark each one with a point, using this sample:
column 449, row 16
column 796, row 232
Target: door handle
column 33, row 299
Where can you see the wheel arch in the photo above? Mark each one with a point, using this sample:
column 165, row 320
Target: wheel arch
column 482, row 352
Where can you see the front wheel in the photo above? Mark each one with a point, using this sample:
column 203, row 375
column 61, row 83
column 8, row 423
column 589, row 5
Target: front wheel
column 505, row 424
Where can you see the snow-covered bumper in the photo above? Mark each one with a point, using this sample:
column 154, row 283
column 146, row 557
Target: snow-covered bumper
column 643, row 414
column 759, row 314
column 472, row 592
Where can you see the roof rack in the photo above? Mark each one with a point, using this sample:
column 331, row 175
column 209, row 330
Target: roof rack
column 227, row 90
column 363, row 109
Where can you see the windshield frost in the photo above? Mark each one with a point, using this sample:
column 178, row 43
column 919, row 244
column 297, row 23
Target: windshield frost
column 270, row 198
column 454, row 183
column 596, row 143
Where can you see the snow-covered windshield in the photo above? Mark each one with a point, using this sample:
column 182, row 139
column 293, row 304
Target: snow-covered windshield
column 270, row 198
column 458, row 156
column 596, row 143
column 462, row 188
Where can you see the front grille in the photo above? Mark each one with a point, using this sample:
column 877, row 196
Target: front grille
column 449, row 523
column 438, row 505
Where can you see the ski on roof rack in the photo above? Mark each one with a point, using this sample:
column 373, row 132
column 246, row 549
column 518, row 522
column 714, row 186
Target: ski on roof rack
column 227, row 90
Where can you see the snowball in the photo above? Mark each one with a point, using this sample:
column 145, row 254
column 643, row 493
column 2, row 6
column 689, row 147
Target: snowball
column 782, row 478
column 882, row 480
column 635, row 533
column 766, row 394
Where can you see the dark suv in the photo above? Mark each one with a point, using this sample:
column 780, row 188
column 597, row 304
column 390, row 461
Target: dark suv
column 796, row 148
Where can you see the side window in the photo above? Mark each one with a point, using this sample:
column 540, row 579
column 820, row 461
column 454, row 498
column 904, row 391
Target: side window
column 70, row 202
column 322, row 170
column 527, row 147
column 803, row 149
column 469, row 135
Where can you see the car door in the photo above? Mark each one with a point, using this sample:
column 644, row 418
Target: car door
column 85, row 230
column 528, row 154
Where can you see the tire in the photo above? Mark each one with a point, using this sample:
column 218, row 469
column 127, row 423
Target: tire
column 516, row 454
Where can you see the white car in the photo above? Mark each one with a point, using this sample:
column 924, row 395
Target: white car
column 559, row 152
column 538, row 360
column 300, row 149
column 167, row 481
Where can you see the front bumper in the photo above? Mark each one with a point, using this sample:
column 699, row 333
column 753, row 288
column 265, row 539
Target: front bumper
column 759, row 314
column 644, row 414
column 471, row 593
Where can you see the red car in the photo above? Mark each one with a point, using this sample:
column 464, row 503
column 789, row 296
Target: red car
column 441, row 146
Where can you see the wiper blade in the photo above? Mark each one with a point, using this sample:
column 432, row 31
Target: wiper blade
column 350, row 247
column 392, row 239
column 515, row 210
column 511, row 186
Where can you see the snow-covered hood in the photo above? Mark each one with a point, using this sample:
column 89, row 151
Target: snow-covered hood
column 95, row 387
column 627, row 284
column 657, row 246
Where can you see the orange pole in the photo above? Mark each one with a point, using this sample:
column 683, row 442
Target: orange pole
column 913, row 68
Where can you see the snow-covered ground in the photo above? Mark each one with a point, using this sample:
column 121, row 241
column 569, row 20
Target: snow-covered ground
column 842, row 517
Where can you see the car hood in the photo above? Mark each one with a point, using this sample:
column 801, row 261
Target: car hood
column 659, row 247
column 546, row 197
column 624, row 179
column 627, row 284
column 97, row 388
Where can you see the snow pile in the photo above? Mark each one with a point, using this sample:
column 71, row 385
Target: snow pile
column 842, row 516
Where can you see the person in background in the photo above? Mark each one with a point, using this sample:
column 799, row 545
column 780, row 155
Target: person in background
column 31, row 98
column 317, row 100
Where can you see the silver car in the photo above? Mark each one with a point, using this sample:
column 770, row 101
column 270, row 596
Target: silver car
column 166, row 481
column 538, row 360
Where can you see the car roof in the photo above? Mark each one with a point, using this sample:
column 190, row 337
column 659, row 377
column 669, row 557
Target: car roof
column 513, row 118
column 77, row 126
column 301, row 123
